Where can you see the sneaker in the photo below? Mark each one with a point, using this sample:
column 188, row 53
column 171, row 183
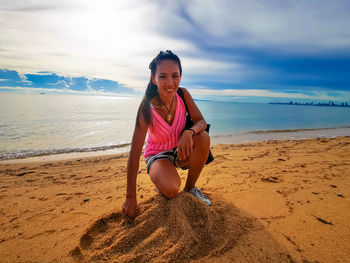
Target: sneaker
column 198, row 193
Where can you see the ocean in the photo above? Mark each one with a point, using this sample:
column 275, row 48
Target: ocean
column 50, row 124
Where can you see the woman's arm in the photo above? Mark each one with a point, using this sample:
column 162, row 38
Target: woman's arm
column 199, row 123
column 186, row 143
column 138, row 139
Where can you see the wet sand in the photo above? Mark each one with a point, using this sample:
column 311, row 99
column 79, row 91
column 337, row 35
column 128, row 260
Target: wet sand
column 272, row 201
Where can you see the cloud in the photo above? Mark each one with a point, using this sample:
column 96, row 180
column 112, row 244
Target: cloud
column 293, row 26
column 32, row 5
column 104, row 39
column 52, row 82
column 12, row 78
column 232, row 94
column 266, row 45
column 63, row 91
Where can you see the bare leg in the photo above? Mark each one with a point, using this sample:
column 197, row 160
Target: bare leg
column 165, row 177
column 199, row 156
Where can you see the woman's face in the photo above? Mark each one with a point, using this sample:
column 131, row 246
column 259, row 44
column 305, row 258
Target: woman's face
column 167, row 77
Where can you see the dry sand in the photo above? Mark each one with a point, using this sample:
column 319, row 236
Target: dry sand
column 274, row 201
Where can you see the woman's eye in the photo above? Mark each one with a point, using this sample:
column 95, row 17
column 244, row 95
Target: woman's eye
column 163, row 77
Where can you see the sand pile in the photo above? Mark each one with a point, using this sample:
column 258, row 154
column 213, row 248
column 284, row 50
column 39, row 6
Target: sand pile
column 178, row 230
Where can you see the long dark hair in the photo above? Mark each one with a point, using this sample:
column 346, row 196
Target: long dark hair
column 152, row 89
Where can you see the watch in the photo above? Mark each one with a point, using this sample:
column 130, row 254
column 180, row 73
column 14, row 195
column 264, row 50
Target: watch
column 194, row 132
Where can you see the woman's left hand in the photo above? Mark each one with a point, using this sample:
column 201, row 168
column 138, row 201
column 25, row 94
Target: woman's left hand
column 184, row 148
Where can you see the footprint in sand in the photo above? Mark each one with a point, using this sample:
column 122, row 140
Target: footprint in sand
column 24, row 173
column 48, row 164
column 271, row 179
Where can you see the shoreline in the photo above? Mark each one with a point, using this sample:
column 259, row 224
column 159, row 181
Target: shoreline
column 237, row 138
column 288, row 134
column 296, row 191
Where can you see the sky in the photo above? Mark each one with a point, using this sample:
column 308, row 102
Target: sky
column 255, row 51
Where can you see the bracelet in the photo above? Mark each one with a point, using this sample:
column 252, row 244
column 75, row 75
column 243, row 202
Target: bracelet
column 194, row 132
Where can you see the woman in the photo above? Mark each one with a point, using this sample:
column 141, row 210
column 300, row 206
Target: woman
column 162, row 114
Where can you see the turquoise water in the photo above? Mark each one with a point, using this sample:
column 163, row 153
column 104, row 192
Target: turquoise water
column 229, row 117
column 44, row 124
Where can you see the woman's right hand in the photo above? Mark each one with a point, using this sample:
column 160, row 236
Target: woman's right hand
column 129, row 207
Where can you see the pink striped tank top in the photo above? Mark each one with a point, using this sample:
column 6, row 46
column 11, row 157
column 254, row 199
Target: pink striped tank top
column 162, row 136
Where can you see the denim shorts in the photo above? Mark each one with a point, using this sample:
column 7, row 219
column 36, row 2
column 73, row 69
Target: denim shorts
column 165, row 155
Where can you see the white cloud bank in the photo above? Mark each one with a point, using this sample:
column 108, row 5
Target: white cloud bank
column 232, row 94
column 90, row 92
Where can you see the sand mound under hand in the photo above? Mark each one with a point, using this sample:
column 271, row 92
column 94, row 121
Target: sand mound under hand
column 176, row 230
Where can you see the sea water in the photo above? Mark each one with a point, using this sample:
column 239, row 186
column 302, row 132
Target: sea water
column 46, row 124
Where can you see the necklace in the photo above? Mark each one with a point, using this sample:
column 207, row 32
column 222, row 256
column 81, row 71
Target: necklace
column 169, row 115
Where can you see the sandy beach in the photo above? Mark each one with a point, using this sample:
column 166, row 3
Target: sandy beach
column 272, row 201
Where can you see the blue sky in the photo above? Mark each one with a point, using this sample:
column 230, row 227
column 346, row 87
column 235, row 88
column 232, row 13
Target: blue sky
column 255, row 51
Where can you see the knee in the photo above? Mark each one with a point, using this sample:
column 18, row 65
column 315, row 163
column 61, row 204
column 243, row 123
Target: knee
column 202, row 140
column 170, row 191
